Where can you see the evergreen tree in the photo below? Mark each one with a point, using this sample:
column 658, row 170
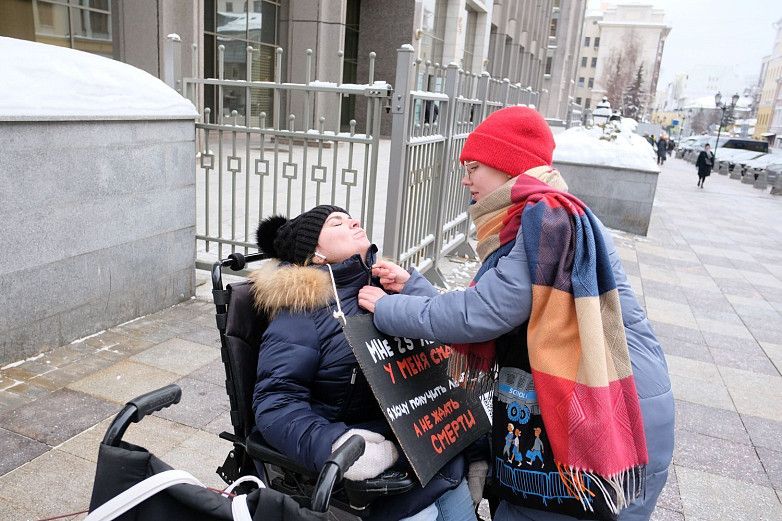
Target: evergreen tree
column 633, row 103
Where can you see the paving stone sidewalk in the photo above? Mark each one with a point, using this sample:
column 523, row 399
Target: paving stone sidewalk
column 709, row 274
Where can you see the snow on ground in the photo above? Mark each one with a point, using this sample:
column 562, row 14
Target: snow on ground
column 584, row 146
column 45, row 82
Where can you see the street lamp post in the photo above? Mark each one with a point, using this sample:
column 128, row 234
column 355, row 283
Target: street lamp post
column 723, row 107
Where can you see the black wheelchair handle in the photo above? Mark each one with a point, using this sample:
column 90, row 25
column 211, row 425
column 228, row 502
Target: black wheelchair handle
column 155, row 400
column 348, row 453
column 237, row 261
column 334, row 469
column 135, row 410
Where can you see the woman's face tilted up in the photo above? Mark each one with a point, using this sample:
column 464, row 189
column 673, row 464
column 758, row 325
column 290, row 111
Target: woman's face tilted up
column 340, row 238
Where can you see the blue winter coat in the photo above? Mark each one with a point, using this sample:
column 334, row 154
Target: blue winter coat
column 310, row 389
column 500, row 302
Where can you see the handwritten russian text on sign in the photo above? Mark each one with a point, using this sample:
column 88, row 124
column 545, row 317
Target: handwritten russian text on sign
column 433, row 418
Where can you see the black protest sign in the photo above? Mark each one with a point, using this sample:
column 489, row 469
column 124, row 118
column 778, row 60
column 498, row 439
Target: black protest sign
column 432, row 417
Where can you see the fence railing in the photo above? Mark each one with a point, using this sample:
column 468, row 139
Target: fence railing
column 251, row 164
column 281, row 150
column 426, row 205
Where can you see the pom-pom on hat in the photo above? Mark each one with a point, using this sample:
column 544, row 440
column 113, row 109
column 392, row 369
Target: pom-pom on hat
column 293, row 240
column 512, row 140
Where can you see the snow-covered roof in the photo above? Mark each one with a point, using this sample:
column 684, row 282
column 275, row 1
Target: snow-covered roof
column 583, row 146
column 42, row 82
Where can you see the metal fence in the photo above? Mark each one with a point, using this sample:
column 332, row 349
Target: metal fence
column 252, row 164
column 426, row 212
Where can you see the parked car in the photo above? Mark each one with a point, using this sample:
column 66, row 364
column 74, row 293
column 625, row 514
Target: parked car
column 730, row 157
column 758, row 164
column 747, row 144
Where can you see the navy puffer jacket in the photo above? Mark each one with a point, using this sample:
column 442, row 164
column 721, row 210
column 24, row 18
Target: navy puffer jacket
column 309, row 389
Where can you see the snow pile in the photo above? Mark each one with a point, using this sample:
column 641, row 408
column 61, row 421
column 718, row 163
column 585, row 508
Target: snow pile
column 50, row 83
column 616, row 146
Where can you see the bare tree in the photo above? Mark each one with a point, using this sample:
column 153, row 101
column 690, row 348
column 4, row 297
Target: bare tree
column 621, row 67
column 704, row 119
column 698, row 123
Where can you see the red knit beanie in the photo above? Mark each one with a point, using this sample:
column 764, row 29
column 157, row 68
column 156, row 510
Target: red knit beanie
column 512, row 140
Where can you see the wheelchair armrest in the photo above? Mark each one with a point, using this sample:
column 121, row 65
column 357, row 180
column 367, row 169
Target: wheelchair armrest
column 259, row 450
column 360, row 494
column 390, row 483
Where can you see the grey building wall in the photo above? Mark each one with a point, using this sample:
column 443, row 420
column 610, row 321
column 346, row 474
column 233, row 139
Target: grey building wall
column 384, row 28
column 140, row 28
column 98, row 227
column 517, row 48
column 560, row 84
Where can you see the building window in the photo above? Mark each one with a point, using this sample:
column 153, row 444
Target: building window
column 229, row 7
column 581, row 81
column 578, row 101
column 350, row 70
column 552, row 32
column 594, row 62
column 468, row 58
column 591, row 83
column 433, row 30
column 549, row 63
column 584, row 61
column 256, row 25
column 85, row 27
column 586, row 41
column 587, row 103
column 597, row 42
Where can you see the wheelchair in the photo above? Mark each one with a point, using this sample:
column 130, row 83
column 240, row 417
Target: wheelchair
column 241, row 327
column 132, row 484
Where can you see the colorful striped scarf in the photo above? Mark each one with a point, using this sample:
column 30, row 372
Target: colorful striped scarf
column 575, row 335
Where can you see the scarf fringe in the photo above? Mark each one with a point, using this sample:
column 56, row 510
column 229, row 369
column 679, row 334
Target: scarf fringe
column 618, row 491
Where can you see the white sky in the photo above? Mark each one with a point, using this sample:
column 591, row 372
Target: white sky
column 714, row 33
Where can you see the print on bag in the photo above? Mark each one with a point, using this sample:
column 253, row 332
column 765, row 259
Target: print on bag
column 524, row 469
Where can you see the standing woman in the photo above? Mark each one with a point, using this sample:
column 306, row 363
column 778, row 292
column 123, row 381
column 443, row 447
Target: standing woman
column 550, row 303
column 704, row 163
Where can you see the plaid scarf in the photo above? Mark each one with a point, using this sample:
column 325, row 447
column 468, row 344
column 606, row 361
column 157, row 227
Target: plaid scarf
column 575, row 335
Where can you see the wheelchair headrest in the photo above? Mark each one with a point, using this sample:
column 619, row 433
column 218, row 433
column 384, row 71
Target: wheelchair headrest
column 244, row 330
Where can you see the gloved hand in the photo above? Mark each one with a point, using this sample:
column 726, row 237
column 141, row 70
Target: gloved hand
column 379, row 455
column 476, row 479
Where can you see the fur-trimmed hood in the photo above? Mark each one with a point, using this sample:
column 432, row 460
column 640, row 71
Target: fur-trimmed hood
column 278, row 286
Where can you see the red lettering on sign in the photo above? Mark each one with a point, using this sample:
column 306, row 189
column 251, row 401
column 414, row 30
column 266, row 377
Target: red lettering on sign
column 413, row 364
column 439, row 354
column 390, row 371
column 451, row 431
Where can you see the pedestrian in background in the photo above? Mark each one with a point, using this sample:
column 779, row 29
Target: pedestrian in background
column 550, row 306
column 704, row 163
column 662, row 149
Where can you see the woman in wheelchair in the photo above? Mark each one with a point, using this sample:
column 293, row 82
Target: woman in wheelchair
column 310, row 395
